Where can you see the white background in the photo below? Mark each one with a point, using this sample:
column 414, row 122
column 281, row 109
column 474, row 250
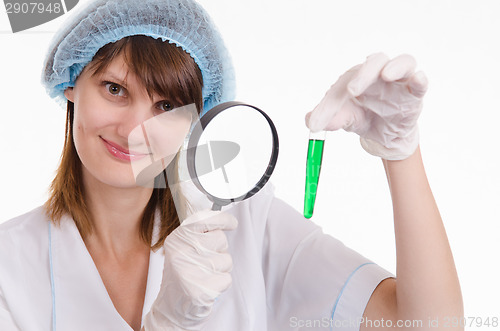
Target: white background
column 287, row 53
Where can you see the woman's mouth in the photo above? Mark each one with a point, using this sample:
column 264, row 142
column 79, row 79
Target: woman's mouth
column 122, row 153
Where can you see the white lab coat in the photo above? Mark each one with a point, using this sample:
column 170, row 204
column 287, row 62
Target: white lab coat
column 287, row 275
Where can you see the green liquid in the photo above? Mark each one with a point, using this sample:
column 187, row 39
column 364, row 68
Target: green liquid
column 313, row 168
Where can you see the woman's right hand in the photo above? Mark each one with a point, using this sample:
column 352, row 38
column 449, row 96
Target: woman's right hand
column 197, row 270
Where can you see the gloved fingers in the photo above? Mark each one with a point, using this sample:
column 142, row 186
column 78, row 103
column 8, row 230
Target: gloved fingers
column 216, row 262
column 205, row 287
column 215, row 220
column 347, row 118
column 417, row 84
column 219, row 282
column 320, row 116
column 212, row 241
column 399, row 68
column 334, row 99
column 197, row 267
column 368, row 74
column 200, row 215
column 194, row 314
column 187, row 247
column 222, row 262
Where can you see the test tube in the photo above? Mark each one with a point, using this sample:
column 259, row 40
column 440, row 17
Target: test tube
column 313, row 168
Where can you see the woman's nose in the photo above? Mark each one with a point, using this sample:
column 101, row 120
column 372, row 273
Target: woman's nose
column 132, row 119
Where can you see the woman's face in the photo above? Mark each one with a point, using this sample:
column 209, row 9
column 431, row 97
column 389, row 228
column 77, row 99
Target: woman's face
column 120, row 133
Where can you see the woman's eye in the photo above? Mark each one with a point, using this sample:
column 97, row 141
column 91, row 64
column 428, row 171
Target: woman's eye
column 165, row 106
column 115, row 89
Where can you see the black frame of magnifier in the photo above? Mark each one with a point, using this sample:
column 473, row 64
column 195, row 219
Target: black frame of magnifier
column 195, row 137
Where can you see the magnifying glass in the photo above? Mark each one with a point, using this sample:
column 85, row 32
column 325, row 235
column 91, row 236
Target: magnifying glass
column 228, row 154
column 232, row 152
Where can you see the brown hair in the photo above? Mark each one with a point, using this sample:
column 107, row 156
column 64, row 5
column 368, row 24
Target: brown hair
column 162, row 68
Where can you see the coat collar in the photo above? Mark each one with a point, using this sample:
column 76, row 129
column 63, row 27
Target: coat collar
column 81, row 301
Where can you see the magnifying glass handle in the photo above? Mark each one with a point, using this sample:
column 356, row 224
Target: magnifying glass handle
column 216, row 207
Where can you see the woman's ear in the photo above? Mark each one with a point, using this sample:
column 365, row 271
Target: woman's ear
column 68, row 93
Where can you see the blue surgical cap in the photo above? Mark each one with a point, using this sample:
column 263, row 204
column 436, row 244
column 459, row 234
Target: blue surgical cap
column 99, row 22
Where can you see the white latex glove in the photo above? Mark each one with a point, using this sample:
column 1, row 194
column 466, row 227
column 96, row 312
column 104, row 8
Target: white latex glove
column 197, row 270
column 380, row 100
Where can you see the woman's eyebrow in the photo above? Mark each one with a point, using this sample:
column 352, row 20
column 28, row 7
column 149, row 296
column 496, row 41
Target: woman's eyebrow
column 115, row 78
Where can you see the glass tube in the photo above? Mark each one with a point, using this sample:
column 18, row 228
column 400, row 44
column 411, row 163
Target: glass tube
column 313, row 169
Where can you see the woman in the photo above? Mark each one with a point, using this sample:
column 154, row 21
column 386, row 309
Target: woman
column 107, row 252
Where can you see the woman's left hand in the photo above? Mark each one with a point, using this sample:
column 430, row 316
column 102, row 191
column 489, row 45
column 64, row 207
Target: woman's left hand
column 197, row 269
column 380, row 100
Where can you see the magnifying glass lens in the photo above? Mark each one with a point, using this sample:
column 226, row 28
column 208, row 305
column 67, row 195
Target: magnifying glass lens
column 234, row 153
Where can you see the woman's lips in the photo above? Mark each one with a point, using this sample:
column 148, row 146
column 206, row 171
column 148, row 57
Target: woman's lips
column 122, row 153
